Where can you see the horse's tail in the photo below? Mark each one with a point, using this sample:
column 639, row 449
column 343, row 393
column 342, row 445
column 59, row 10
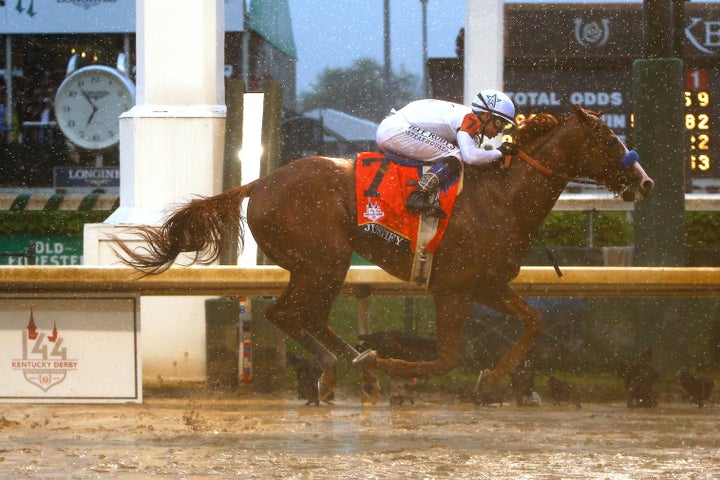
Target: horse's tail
column 203, row 225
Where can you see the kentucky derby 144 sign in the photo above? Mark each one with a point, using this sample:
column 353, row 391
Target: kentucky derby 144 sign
column 65, row 350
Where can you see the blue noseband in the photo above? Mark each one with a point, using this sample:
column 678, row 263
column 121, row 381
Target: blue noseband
column 630, row 159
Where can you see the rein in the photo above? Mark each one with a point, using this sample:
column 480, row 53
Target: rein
column 546, row 170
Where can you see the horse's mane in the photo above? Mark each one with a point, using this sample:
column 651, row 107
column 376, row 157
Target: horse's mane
column 534, row 127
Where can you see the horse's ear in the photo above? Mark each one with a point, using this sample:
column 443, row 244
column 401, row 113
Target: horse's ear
column 580, row 112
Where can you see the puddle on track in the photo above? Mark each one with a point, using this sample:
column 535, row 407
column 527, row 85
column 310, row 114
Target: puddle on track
column 263, row 437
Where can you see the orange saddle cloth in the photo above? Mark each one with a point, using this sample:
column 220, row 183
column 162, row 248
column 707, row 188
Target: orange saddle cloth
column 382, row 186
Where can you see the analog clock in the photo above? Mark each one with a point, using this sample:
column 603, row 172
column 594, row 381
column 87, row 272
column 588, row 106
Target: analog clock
column 88, row 104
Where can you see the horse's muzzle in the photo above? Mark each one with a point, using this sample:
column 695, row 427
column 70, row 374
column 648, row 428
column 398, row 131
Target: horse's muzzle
column 642, row 186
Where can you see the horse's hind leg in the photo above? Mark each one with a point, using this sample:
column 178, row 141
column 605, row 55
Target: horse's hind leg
column 302, row 312
column 293, row 327
column 291, row 319
column 370, row 387
column 328, row 363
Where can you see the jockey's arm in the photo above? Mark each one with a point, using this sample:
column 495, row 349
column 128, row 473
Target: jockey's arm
column 473, row 155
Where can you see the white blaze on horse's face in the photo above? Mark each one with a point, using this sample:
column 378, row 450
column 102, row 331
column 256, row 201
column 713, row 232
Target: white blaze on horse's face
column 646, row 183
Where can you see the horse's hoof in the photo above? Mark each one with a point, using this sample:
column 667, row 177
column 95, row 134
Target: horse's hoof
column 486, row 392
column 326, row 386
column 369, row 388
column 483, row 381
column 370, row 393
column 365, row 360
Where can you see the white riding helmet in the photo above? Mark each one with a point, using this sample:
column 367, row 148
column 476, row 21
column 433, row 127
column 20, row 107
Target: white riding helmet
column 496, row 103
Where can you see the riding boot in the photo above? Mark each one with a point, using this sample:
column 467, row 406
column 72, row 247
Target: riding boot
column 423, row 198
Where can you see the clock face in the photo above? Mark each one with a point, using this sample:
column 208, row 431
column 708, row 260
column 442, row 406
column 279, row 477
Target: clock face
column 88, row 104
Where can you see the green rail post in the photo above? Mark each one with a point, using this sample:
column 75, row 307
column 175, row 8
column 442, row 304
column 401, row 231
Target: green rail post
column 658, row 93
column 660, row 219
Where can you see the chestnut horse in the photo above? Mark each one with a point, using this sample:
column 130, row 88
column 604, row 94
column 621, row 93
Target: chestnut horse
column 303, row 217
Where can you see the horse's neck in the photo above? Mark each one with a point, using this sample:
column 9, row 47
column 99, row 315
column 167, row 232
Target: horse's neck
column 532, row 192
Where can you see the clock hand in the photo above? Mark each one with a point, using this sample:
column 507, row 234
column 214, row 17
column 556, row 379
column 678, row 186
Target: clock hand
column 95, row 109
column 88, row 98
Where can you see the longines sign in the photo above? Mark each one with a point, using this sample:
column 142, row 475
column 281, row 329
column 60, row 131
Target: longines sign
column 86, row 177
column 69, row 350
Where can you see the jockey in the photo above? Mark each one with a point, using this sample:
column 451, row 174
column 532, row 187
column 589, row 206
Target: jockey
column 444, row 133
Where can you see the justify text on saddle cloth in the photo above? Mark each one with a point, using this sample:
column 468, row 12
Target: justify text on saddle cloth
column 381, row 194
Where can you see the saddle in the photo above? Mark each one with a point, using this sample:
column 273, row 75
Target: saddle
column 382, row 185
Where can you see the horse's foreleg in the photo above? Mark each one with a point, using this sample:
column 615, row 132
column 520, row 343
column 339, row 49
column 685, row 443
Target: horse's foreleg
column 451, row 312
column 508, row 301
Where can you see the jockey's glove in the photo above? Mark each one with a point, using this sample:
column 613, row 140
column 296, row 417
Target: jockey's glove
column 508, row 149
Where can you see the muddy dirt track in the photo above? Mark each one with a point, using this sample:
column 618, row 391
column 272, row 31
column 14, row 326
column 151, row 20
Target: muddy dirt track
column 255, row 436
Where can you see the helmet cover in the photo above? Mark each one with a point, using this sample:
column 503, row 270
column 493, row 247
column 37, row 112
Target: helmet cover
column 495, row 103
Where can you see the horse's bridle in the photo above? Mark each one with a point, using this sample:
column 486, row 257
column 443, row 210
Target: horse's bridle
column 550, row 172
